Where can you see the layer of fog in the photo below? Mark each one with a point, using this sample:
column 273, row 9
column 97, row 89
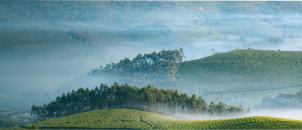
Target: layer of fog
column 287, row 114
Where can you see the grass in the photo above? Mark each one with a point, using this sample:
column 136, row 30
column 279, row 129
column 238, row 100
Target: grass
column 135, row 119
column 245, row 74
column 245, row 70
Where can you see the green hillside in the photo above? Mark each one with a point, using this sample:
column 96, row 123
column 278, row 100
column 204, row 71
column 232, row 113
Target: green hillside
column 135, row 119
column 245, row 71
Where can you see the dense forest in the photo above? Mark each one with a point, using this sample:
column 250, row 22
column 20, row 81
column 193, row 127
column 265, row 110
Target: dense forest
column 148, row 98
column 289, row 101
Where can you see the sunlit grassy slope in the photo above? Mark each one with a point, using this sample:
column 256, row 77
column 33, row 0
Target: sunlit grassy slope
column 245, row 70
column 134, row 119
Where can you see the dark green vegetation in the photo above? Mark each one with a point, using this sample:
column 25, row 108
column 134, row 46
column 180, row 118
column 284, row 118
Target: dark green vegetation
column 135, row 119
column 291, row 101
column 121, row 96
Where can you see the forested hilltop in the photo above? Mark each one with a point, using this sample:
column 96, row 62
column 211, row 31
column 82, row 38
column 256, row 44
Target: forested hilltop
column 148, row 98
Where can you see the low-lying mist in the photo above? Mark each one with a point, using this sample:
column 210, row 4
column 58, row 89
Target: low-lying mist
column 286, row 113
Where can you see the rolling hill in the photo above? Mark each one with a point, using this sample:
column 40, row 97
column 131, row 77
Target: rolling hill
column 135, row 119
column 245, row 70
column 245, row 73
column 240, row 70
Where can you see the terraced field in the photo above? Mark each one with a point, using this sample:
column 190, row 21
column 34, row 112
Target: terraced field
column 135, row 119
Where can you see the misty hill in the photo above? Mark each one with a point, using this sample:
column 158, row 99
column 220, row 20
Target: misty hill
column 244, row 73
column 235, row 71
column 244, row 76
column 135, row 119
column 245, row 70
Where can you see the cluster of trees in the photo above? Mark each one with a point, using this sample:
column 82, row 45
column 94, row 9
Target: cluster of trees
column 149, row 98
column 145, row 62
column 282, row 101
column 159, row 68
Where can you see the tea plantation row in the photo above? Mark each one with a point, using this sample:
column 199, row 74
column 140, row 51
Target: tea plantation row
column 135, row 119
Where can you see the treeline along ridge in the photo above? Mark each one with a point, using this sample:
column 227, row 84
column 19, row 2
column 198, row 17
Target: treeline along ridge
column 148, row 98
